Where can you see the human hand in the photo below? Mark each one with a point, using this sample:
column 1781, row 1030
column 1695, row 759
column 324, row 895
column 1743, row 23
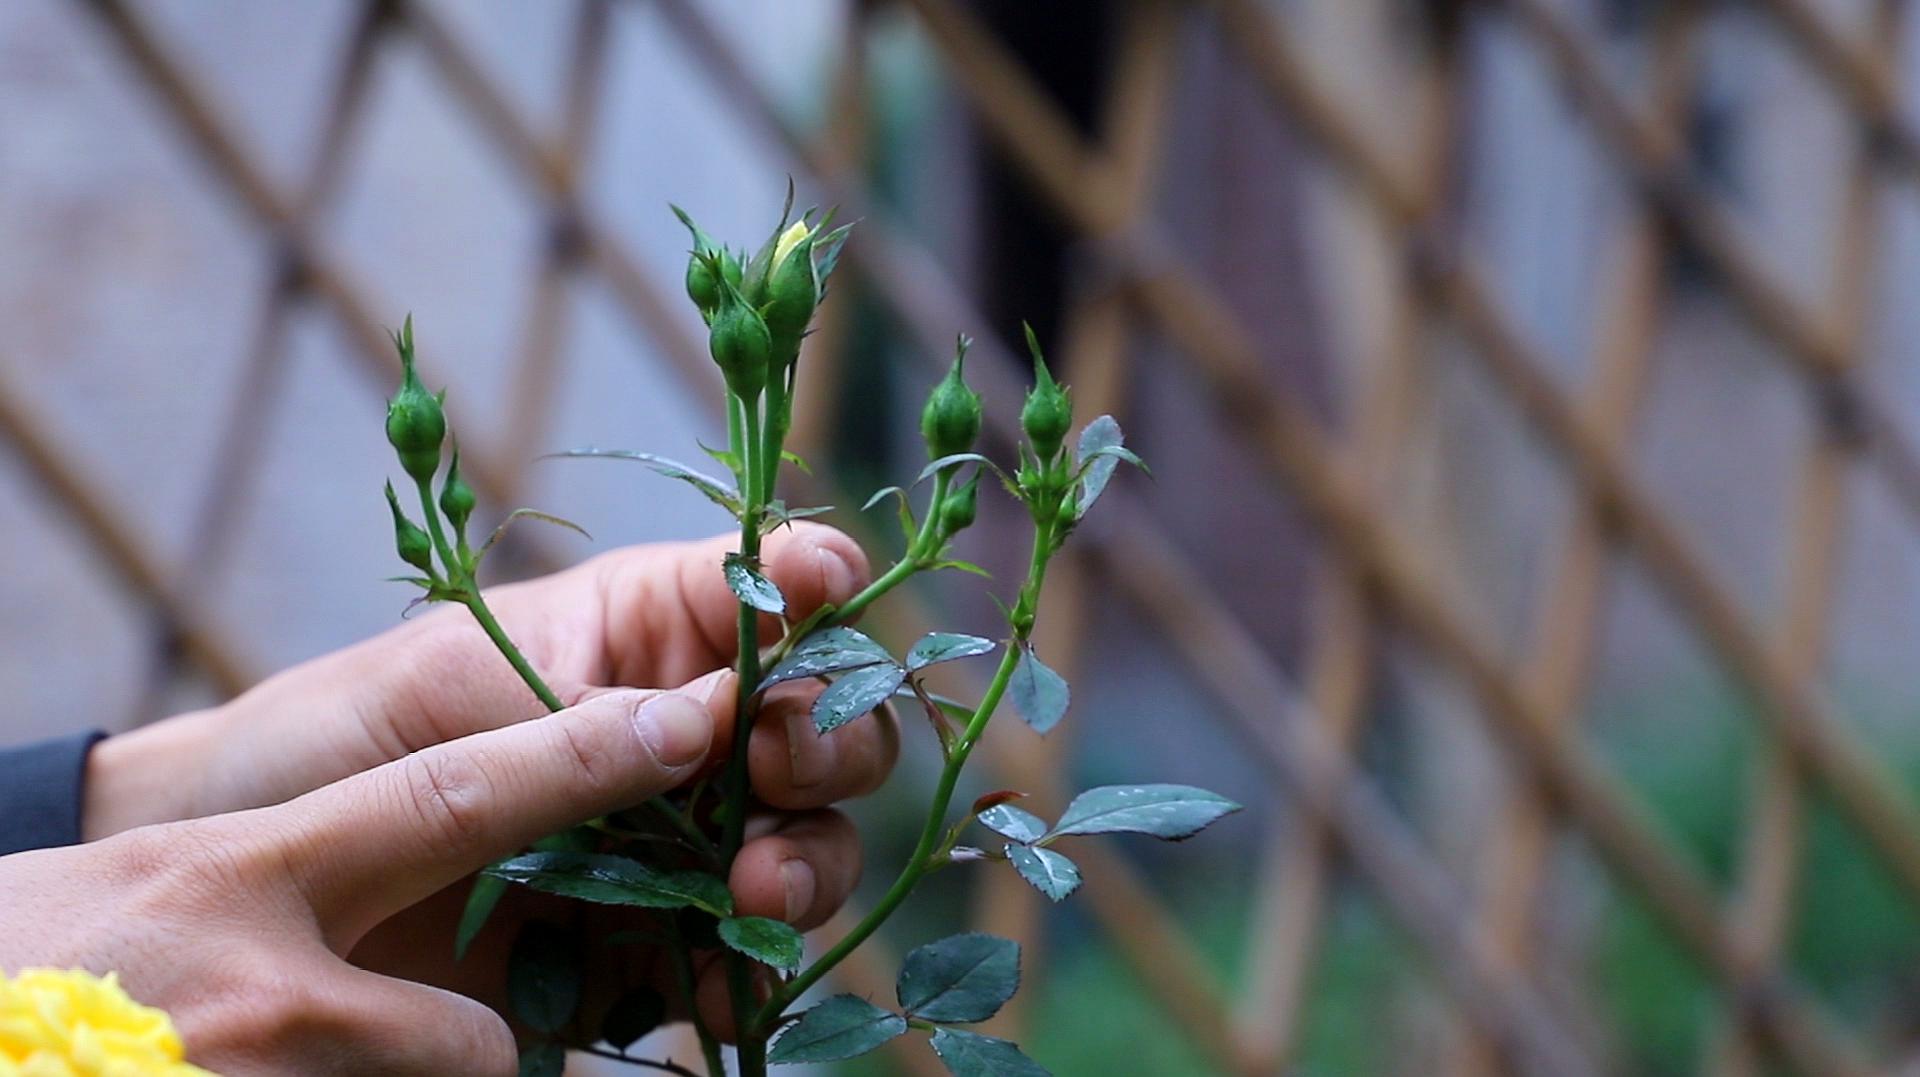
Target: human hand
column 658, row 614
column 655, row 614
column 238, row 924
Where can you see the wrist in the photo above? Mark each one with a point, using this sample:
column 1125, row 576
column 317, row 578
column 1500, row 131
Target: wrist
column 149, row 775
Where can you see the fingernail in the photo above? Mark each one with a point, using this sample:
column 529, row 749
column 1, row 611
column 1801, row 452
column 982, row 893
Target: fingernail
column 676, row 728
column 810, row 754
column 711, row 687
column 796, row 878
column 836, row 576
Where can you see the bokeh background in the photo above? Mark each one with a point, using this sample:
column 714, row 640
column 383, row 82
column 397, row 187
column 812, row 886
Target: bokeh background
column 1530, row 386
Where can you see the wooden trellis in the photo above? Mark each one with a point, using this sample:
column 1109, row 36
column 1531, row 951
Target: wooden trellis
column 1479, row 933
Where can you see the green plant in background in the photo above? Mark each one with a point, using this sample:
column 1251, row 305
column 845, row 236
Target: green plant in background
column 673, row 854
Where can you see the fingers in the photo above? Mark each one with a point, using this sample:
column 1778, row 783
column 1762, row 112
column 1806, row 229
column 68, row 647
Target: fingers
column 285, row 1012
column 669, row 614
column 797, row 768
column 800, row 872
column 408, row 1028
column 371, row 845
column 713, row 995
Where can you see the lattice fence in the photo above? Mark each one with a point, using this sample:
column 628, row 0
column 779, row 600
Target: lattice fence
column 1398, row 198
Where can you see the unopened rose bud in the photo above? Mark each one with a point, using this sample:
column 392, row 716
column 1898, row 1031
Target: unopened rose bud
column 416, row 421
column 793, row 291
column 414, row 546
column 703, row 284
column 456, row 497
column 957, row 511
column 738, row 339
column 1048, row 411
column 950, row 422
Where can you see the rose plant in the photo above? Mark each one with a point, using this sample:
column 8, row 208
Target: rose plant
column 672, row 854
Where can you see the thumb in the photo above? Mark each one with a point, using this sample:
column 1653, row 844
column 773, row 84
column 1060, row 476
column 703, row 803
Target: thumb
column 368, row 846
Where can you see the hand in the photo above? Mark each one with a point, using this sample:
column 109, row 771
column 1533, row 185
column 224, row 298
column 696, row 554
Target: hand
column 237, row 924
column 658, row 614
column 644, row 616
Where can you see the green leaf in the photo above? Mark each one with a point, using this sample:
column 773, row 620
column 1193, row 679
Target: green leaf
column 720, row 493
column 843, row 1026
column 632, row 1016
column 969, row 1054
column 544, row 973
column 1039, row 694
column 543, row 1060
column 1102, row 433
column 529, row 514
column 854, row 694
column 770, row 942
column 965, row 977
column 826, row 251
column 964, row 566
column 726, row 459
column 1017, row 823
column 1171, row 812
column 936, row 647
column 751, row 586
column 1115, row 452
column 615, row 880
column 828, row 651
column 881, row 495
column 486, row 894
column 1047, row 871
column 778, row 513
column 796, row 460
column 908, row 528
column 948, row 461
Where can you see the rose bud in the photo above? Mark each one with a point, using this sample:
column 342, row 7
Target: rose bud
column 739, row 342
column 793, row 291
column 416, row 421
column 703, row 286
column 950, row 422
column 456, row 497
column 957, row 511
column 1048, row 411
column 415, row 547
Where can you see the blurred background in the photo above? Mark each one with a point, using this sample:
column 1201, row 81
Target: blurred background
column 1531, row 388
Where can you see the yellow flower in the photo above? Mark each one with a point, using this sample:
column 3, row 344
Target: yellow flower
column 74, row 1024
column 788, row 240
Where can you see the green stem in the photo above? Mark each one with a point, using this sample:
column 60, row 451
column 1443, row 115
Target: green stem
column 471, row 598
column 930, row 525
column 456, row 568
column 917, row 865
column 749, row 1053
column 478, row 607
column 771, row 441
column 735, row 439
column 916, row 559
column 933, row 831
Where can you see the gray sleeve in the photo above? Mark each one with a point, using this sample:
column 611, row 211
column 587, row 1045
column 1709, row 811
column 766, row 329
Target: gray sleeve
column 41, row 789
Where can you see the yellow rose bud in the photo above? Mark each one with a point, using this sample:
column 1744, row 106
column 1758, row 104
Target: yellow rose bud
column 788, row 240
column 74, row 1024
